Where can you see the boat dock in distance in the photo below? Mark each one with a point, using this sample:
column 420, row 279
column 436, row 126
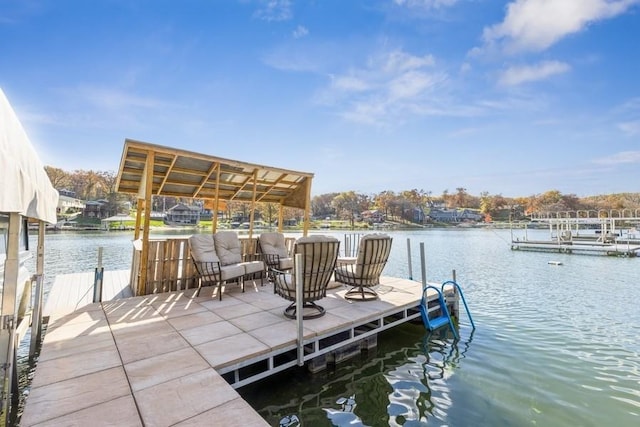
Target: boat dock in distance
column 614, row 233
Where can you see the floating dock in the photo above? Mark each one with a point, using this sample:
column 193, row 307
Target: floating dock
column 612, row 233
column 172, row 358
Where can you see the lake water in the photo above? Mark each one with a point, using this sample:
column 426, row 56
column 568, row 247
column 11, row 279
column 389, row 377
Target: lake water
column 554, row 345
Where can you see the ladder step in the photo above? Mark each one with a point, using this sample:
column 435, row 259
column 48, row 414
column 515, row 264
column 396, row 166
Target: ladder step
column 437, row 322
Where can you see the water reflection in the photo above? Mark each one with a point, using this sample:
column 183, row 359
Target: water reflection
column 399, row 384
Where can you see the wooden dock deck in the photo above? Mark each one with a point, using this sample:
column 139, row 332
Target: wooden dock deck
column 71, row 292
column 176, row 359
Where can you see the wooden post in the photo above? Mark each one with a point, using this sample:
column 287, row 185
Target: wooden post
column 253, row 203
column 216, row 201
column 307, row 207
column 148, row 188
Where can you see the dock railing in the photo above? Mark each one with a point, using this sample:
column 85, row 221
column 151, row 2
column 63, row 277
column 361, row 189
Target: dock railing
column 170, row 267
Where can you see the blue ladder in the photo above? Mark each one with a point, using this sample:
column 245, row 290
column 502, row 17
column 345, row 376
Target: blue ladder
column 437, row 322
column 459, row 290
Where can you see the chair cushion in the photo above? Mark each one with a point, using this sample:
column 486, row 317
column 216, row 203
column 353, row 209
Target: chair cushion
column 312, row 256
column 252, row 266
column 273, row 244
column 285, row 264
column 228, row 272
column 203, row 248
column 371, row 255
column 228, row 247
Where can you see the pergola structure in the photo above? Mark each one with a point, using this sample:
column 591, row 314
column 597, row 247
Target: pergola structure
column 153, row 170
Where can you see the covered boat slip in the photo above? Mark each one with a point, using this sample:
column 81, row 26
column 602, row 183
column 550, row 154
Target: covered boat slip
column 152, row 170
column 175, row 358
column 26, row 195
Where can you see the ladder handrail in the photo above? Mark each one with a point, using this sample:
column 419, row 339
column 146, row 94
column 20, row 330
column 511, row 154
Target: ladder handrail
column 464, row 301
column 443, row 307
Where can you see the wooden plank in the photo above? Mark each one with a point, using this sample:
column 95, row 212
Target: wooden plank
column 73, row 291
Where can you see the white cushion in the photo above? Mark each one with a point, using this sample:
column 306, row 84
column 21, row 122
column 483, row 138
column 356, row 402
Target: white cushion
column 273, row 244
column 285, row 263
column 203, row 248
column 252, row 266
column 228, row 247
column 228, row 272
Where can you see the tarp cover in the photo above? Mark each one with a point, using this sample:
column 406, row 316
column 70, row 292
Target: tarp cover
column 25, row 187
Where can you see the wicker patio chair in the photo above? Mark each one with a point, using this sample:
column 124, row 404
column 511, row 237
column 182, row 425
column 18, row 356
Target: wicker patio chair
column 208, row 266
column 275, row 253
column 319, row 254
column 364, row 273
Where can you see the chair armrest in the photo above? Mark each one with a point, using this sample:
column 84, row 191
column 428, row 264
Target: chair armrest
column 272, row 260
column 208, row 271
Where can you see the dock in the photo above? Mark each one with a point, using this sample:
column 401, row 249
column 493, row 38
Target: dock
column 578, row 247
column 71, row 292
column 611, row 233
column 177, row 359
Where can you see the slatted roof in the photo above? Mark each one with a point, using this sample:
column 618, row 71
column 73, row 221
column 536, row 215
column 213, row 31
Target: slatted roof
column 181, row 173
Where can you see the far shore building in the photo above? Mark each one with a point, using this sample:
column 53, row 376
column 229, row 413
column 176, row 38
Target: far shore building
column 454, row 215
column 182, row 214
column 68, row 204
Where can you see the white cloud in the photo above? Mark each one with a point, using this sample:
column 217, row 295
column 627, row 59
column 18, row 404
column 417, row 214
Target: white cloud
column 114, row 99
column 398, row 61
column 535, row 25
column 300, row 32
column 631, row 128
column 516, row 75
column 274, row 10
column 350, row 83
column 620, row 158
column 425, row 4
column 390, row 85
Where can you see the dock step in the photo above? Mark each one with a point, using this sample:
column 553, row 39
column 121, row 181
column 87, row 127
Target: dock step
column 437, row 322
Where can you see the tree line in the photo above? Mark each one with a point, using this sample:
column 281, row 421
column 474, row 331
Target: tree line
column 402, row 205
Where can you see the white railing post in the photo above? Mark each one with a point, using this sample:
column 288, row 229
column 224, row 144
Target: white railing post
column 409, row 258
column 298, row 271
column 97, row 282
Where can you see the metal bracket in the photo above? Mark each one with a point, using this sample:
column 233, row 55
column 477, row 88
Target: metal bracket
column 7, row 322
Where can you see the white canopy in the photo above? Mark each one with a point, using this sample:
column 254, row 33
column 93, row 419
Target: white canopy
column 24, row 185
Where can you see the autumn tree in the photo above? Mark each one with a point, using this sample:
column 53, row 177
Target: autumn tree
column 59, row 178
column 321, row 205
column 350, row 203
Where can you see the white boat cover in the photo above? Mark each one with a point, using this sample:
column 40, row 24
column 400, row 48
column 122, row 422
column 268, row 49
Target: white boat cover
column 24, row 185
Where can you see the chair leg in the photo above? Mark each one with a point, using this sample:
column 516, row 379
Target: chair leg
column 361, row 293
column 220, row 291
column 291, row 311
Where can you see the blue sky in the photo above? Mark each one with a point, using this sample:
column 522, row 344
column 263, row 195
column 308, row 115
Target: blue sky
column 510, row 97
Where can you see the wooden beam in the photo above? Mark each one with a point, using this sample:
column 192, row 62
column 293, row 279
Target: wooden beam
column 307, row 207
column 166, row 176
column 144, row 259
column 214, row 167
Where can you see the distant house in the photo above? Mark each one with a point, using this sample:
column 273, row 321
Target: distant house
column 444, row 215
column 418, row 215
column 182, row 214
column 96, row 209
column 469, row 215
column 67, row 204
column 454, row 215
column 373, row 216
